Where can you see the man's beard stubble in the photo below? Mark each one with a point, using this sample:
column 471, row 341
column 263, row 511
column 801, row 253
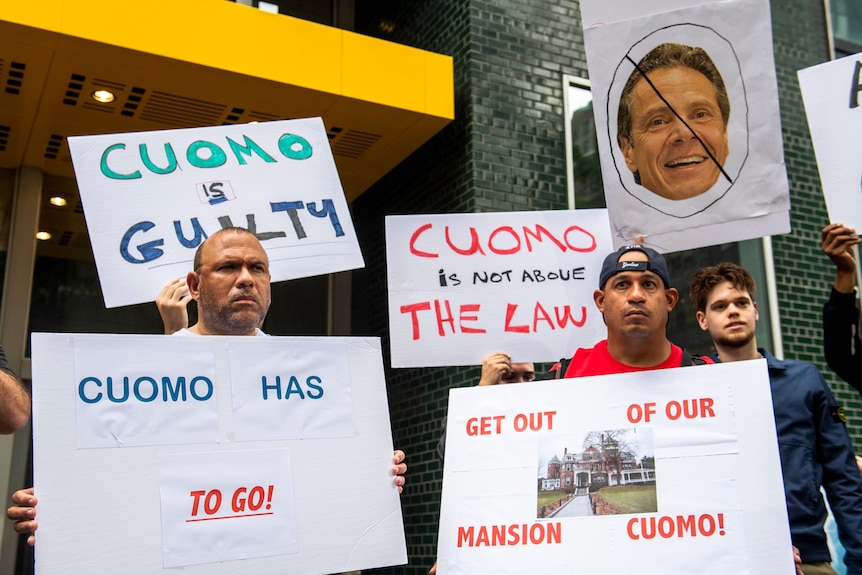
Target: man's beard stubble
column 225, row 320
column 740, row 340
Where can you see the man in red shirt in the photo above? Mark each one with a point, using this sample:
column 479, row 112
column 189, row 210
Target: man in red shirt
column 635, row 299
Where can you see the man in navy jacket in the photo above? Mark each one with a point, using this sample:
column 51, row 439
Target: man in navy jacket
column 813, row 442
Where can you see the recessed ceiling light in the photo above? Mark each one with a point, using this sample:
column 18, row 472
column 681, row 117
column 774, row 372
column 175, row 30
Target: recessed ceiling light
column 103, row 96
column 58, row 200
column 385, row 25
column 43, row 236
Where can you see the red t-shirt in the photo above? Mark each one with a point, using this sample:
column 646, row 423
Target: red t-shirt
column 599, row 361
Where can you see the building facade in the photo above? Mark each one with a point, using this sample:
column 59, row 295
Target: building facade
column 515, row 64
column 506, row 151
column 597, row 466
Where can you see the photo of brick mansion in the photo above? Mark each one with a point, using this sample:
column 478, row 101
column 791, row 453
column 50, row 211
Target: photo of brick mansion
column 609, row 474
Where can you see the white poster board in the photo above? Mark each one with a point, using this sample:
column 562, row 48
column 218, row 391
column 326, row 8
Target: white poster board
column 462, row 286
column 832, row 93
column 150, row 198
column 688, row 459
column 216, row 455
column 680, row 199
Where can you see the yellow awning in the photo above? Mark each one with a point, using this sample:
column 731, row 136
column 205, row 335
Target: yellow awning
column 208, row 62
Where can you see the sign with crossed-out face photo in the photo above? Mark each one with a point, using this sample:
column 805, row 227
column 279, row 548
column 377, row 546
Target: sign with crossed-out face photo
column 684, row 162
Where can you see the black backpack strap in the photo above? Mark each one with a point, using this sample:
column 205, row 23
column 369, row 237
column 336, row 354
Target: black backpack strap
column 689, row 358
column 564, row 366
column 557, row 372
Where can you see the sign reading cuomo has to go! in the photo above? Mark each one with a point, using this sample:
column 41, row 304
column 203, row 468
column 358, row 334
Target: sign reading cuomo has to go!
column 213, row 455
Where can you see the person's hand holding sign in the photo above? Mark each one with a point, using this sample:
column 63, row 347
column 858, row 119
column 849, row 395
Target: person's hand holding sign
column 399, row 469
column 23, row 513
column 173, row 302
column 498, row 368
column 837, row 242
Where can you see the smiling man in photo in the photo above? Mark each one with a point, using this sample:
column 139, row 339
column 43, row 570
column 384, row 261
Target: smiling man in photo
column 672, row 122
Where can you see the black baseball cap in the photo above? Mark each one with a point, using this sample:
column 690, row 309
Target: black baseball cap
column 656, row 264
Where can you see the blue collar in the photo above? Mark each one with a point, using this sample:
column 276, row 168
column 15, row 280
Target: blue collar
column 772, row 362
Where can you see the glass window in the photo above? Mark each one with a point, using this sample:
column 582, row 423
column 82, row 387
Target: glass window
column 586, row 191
column 585, row 173
column 311, row 10
column 66, row 296
column 846, row 26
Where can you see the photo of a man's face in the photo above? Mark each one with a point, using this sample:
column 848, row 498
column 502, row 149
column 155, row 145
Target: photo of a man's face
column 672, row 122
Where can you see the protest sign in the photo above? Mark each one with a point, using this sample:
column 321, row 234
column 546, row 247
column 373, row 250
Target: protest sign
column 150, row 198
column 832, row 93
column 683, row 162
column 462, row 286
column 217, row 455
column 671, row 471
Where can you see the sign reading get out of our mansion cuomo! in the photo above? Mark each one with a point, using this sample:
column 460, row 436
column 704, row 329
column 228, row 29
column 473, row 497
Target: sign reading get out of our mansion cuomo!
column 655, row 473
column 150, row 198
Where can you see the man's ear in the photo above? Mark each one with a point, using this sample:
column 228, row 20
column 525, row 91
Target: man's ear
column 627, row 149
column 756, row 312
column 599, row 298
column 193, row 282
column 672, row 298
column 701, row 320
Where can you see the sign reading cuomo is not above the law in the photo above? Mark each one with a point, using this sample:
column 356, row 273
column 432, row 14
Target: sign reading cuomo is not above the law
column 462, row 286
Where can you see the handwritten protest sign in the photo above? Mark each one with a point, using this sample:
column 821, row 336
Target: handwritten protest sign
column 207, row 497
column 150, row 198
column 187, row 472
column 684, row 164
column 671, row 471
column 832, row 93
column 464, row 285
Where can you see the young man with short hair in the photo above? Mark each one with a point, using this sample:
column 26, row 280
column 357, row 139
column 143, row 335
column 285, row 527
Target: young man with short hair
column 813, row 442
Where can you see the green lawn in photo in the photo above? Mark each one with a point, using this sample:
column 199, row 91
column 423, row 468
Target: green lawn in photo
column 547, row 497
column 631, row 498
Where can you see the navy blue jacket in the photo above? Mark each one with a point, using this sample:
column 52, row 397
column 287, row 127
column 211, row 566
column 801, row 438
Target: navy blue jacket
column 815, row 450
